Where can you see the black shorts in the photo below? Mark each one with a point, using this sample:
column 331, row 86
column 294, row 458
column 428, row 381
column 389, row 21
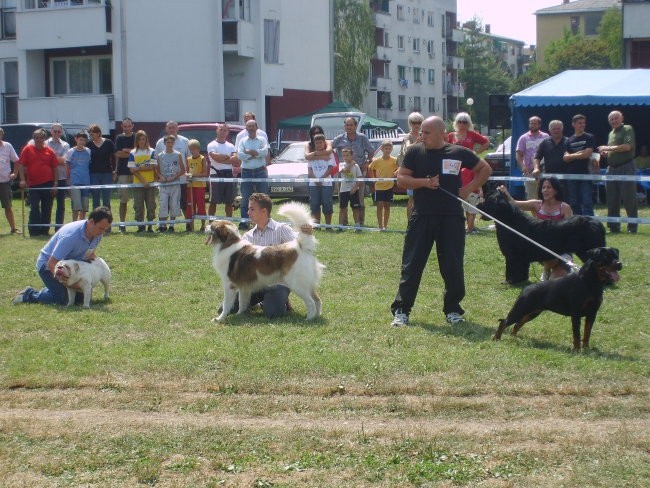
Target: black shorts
column 384, row 195
column 221, row 192
column 345, row 198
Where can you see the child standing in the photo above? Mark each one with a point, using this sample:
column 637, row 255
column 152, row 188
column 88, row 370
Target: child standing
column 142, row 164
column 384, row 167
column 349, row 191
column 198, row 168
column 321, row 192
column 77, row 161
column 169, row 170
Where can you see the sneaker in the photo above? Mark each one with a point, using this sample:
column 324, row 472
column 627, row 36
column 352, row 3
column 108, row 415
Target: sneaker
column 399, row 318
column 454, row 318
column 171, row 228
column 141, row 228
column 162, row 228
column 122, row 229
column 20, row 296
column 16, row 231
column 150, row 229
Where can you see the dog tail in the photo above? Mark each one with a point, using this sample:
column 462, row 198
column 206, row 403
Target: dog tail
column 299, row 215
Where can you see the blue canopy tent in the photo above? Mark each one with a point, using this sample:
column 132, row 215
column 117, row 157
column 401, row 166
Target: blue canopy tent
column 593, row 93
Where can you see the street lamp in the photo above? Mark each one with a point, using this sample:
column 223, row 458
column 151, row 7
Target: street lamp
column 469, row 102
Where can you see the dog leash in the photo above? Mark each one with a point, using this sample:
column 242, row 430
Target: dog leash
column 515, row 231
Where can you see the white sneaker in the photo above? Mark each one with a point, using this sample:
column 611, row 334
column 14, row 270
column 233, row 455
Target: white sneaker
column 400, row 318
column 20, row 296
column 454, row 318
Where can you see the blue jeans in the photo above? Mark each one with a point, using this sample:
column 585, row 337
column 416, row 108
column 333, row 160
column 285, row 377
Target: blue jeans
column 580, row 197
column 53, row 293
column 101, row 179
column 250, row 187
column 40, row 209
column 321, row 196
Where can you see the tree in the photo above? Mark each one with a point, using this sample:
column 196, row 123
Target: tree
column 354, row 45
column 483, row 74
column 573, row 51
column 610, row 31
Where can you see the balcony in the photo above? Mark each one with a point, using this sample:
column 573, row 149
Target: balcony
column 455, row 35
column 71, row 109
column 238, row 37
column 455, row 62
column 62, row 23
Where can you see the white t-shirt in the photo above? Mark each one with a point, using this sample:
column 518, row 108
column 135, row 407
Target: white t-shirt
column 181, row 144
column 7, row 154
column 319, row 167
column 349, row 176
column 220, row 148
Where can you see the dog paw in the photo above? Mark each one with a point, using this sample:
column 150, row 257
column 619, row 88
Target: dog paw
column 218, row 319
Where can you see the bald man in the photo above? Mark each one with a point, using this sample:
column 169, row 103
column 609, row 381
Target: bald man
column 437, row 217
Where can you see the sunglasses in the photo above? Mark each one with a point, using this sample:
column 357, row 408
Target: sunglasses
column 463, row 122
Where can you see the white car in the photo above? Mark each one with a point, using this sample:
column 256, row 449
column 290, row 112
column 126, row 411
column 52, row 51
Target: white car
column 291, row 163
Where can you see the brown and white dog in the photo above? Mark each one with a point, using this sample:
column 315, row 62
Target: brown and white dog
column 83, row 276
column 246, row 268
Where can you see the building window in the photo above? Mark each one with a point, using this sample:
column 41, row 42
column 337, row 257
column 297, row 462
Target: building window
column 416, row 104
column 431, row 49
column 81, row 76
column 416, row 44
column 383, row 100
column 400, row 12
column 401, row 102
column 386, row 39
column 430, row 17
column 432, row 104
column 271, row 41
column 8, row 19
column 432, row 76
column 9, row 90
column 416, row 75
column 592, row 21
column 401, row 72
column 416, row 15
column 245, row 10
column 400, row 43
column 575, row 24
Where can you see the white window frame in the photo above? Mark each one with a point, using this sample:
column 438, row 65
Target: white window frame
column 94, row 73
column 417, row 75
column 400, row 43
column 400, row 12
column 432, row 76
column 401, row 102
column 416, row 44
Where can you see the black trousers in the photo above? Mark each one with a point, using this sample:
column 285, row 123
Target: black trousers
column 448, row 234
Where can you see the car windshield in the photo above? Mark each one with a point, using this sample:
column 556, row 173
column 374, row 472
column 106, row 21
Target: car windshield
column 292, row 154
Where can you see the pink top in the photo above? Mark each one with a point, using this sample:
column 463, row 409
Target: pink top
column 555, row 215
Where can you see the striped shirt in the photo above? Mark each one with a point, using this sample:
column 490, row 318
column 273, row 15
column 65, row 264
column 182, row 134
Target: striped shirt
column 274, row 233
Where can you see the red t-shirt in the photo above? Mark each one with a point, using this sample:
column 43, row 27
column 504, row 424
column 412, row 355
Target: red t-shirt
column 40, row 164
column 469, row 141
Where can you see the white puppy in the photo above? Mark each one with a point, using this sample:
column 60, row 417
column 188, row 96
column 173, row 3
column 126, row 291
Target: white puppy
column 84, row 276
column 246, row 268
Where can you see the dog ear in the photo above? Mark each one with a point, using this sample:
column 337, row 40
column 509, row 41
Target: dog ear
column 76, row 267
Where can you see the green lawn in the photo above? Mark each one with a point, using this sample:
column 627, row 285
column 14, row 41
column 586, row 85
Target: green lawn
column 145, row 390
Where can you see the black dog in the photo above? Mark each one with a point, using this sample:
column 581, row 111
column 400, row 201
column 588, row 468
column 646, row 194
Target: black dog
column 576, row 234
column 575, row 295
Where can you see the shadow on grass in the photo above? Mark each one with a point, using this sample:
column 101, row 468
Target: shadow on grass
column 256, row 318
column 474, row 332
column 95, row 306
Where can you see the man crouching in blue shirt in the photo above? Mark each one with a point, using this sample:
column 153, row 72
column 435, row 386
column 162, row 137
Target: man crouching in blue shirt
column 76, row 240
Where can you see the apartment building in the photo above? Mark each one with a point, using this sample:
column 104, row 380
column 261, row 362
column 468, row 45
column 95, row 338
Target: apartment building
column 415, row 65
column 157, row 60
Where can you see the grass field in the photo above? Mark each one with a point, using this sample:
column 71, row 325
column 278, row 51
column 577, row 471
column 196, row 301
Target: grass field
column 143, row 390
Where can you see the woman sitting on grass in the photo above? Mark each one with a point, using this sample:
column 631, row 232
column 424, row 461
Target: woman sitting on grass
column 548, row 206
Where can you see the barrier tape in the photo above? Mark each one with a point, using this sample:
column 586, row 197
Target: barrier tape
column 599, row 178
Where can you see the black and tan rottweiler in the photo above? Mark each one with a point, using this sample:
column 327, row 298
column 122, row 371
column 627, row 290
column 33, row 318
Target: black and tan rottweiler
column 575, row 295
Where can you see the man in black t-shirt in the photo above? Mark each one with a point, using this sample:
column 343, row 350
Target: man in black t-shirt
column 124, row 142
column 577, row 157
column 437, row 217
